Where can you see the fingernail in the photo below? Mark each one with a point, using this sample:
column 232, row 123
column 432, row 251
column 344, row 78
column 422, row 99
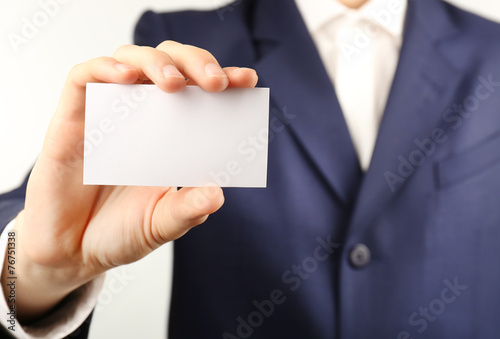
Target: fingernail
column 213, row 70
column 170, row 71
column 123, row 67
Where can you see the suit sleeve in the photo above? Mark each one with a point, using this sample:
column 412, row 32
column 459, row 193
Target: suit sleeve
column 11, row 204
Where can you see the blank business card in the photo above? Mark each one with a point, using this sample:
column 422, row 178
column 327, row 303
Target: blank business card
column 139, row 135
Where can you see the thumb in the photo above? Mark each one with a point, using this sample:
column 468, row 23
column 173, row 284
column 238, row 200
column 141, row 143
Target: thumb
column 175, row 214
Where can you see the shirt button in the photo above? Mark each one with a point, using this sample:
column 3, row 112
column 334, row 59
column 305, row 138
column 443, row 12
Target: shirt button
column 360, row 256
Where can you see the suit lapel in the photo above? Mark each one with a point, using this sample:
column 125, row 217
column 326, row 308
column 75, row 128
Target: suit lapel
column 291, row 67
column 423, row 87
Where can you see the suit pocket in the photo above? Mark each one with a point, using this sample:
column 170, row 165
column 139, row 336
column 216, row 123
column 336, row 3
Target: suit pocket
column 469, row 163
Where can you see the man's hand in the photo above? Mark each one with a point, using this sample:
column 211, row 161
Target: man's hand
column 70, row 233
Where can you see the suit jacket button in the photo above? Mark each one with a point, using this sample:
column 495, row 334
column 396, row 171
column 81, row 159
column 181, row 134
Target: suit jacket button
column 360, row 256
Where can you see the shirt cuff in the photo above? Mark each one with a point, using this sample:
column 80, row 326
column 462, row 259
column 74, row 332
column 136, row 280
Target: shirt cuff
column 63, row 320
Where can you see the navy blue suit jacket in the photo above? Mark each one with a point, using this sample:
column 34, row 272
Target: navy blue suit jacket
column 410, row 249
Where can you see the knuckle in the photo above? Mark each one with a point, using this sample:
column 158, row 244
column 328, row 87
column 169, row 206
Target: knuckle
column 186, row 50
column 76, row 69
column 101, row 60
column 167, row 44
column 200, row 52
column 122, row 49
column 153, row 56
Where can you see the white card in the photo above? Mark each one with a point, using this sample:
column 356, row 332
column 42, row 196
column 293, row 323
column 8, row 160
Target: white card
column 139, row 135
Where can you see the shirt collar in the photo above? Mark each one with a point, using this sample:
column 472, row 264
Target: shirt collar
column 388, row 14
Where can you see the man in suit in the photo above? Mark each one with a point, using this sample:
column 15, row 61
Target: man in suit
column 404, row 245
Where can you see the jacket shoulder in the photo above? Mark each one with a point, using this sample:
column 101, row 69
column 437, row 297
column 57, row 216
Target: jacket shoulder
column 478, row 35
column 216, row 30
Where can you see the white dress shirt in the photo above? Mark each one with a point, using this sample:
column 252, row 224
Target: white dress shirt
column 360, row 51
column 372, row 34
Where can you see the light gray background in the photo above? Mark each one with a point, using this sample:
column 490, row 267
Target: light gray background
column 134, row 301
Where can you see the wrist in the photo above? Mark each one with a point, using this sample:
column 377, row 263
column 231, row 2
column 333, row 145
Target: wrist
column 40, row 287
